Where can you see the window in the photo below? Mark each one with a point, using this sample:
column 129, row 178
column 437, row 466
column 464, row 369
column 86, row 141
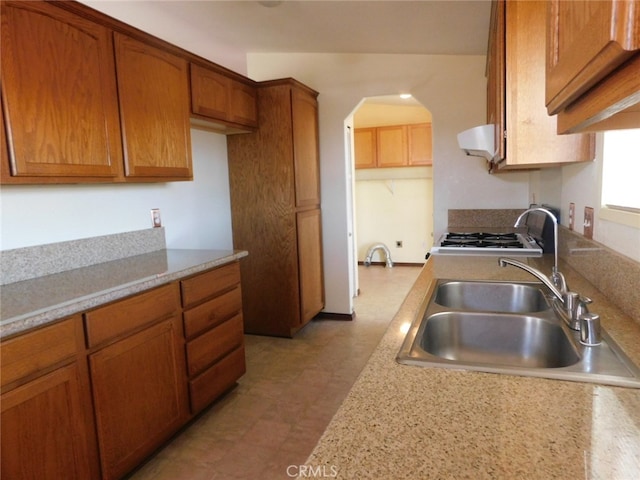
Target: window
column 621, row 170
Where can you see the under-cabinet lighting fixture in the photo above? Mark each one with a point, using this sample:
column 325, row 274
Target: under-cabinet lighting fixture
column 405, row 96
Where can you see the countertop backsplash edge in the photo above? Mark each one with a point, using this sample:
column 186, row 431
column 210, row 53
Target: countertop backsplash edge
column 36, row 261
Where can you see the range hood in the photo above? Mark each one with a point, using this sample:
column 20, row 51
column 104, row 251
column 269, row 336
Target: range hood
column 479, row 141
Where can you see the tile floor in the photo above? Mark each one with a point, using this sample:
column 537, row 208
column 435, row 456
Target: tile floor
column 292, row 389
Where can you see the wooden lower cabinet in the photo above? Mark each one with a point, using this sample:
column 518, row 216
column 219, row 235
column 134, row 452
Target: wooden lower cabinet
column 93, row 395
column 47, row 415
column 139, row 395
column 214, row 332
column 217, row 379
column 43, row 431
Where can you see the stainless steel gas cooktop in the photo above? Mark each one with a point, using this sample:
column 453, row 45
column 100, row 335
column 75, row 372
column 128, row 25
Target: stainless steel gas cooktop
column 487, row 243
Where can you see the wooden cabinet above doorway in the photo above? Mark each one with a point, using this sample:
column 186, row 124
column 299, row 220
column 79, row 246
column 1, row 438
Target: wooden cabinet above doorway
column 393, row 146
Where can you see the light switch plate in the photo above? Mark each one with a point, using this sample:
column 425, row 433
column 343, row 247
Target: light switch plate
column 156, row 221
column 572, row 215
column 588, row 223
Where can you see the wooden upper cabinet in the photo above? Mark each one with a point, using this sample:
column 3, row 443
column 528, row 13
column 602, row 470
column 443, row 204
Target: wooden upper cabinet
column 527, row 137
column 364, row 146
column 392, row 146
column 153, row 88
column 219, row 97
column 419, row 145
column 496, row 73
column 304, row 111
column 59, row 95
column 243, row 107
column 593, row 64
column 209, row 93
column 5, row 169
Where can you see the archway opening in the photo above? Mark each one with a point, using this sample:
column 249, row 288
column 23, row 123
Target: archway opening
column 392, row 181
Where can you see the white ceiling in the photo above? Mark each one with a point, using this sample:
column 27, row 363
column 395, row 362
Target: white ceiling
column 399, row 27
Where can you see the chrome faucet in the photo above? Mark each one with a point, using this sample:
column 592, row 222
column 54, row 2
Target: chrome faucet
column 573, row 308
column 556, row 277
column 503, row 262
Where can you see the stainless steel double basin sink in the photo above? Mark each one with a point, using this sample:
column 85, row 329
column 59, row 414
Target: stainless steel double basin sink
column 509, row 328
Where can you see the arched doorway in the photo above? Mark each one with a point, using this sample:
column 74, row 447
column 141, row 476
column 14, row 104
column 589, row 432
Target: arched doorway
column 391, row 181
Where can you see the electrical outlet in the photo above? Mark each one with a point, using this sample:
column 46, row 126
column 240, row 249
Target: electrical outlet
column 398, row 243
column 572, row 215
column 156, row 221
column 588, row 223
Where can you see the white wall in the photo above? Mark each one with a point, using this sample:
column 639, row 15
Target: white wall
column 581, row 184
column 393, row 210
column 162, row 19
column 453, row 88
column 195, row 214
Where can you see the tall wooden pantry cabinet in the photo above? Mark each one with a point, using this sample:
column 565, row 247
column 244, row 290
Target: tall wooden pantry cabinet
column 274, row 180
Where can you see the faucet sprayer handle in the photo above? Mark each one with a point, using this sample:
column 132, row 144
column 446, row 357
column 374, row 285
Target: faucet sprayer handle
column 590, row 330
column 578, row 310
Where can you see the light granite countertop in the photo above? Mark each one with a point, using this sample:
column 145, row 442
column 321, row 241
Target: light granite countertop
column 32, row 303
column 407, row 422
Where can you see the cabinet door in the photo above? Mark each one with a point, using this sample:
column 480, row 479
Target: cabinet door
column 496, row 72
column 139, row 389
column 209, row 93
column 310, row 264
column 364, row 146
column 587, row 40
column 304, row 108
column 528, row 137
column 419, row 144
column 217, row 96
column 392, row 146
column 44, row 434
column 153, row 91
column 59, row 94
column 243, row 104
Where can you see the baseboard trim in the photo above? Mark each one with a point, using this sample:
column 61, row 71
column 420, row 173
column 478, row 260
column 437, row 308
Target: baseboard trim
column 335, row 316
column 396, row 264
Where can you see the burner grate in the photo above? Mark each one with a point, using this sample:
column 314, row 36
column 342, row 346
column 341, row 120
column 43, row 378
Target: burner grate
column 481, row 240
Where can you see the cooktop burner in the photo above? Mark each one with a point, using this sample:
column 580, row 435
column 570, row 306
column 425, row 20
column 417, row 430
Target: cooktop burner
column 481, row 240
column 494, row 243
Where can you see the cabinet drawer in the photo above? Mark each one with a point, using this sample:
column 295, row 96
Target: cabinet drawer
column 208, row 284
column 214, row 344
column 213, row 312
column 216, row 380
column 126, row 315
column 29, row 353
